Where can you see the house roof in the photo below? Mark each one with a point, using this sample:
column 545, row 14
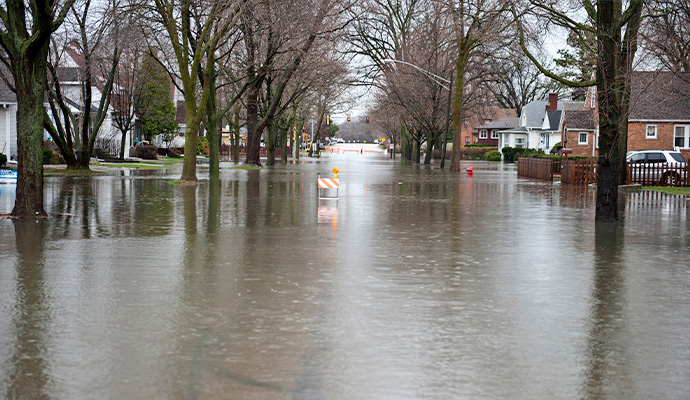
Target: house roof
column 573, row 106
column 660, row 95
column 554, row 120
column 534, row 110
column 480, row 115
column 580, row 120
column 503, row 123
column 68, row 74
column 6, row 95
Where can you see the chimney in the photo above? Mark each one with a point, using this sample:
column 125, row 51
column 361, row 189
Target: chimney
column 553, row 102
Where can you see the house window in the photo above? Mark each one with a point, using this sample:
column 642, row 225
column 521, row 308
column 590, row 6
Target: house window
column 651, row 132
column 467, row 140
column 494, row 134
column 482, row 134
column 182, row 131
column 582, row 138
column 682, row 136
column 520, row 142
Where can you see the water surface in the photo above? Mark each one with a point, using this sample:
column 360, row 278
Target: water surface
column 415, row 284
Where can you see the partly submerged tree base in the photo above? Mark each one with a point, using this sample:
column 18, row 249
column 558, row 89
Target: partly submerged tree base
column 187, row 182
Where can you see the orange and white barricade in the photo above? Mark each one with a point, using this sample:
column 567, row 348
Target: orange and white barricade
column 327, row 185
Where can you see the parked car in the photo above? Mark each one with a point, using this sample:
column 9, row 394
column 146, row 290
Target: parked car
column 667, row 167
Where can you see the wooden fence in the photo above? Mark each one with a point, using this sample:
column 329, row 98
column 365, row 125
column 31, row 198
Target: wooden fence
column 537, row 168
column 584, row 172
column 579, row 172
column 669, row 174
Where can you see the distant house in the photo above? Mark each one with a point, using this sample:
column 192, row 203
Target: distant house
column 539, row 125
column 579, row 133
column 659, row 116
column 470, row 132
column 8, row 122
column 488, row 132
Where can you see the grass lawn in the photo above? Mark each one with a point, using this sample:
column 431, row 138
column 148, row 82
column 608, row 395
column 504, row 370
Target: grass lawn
column 71, row 172
column 683, row 191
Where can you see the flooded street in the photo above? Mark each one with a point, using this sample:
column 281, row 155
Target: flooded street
column 415, row 284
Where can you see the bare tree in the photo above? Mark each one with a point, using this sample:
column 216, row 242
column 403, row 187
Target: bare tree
column 75, row 133
column 616, row 29
column 25, row 38
column 278, row 38
column 514, row 81
column 126, row 87
column 195, row 30
column 666, row 36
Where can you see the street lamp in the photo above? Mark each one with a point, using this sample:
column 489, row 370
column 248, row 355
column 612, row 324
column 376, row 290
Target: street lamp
column 437, row 79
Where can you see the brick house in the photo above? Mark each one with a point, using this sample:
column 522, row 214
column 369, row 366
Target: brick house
column 659, row 116
column 488, row 132
column 469, row 134
column 579, row 133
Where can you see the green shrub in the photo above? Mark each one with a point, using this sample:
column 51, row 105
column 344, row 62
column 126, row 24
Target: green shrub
column 532, row 153
column 201, row 145
column 3, row 159
column 509, row 154
column 555, row 148
column 493, row 155
column 47, row 156
column 480, row 145
column 550, row 156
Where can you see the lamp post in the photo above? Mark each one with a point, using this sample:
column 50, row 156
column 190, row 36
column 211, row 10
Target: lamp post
column 437, row 79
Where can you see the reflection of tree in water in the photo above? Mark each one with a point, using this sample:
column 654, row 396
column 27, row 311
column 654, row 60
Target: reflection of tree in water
column 607, row 372
column 28, row 377
column 89, row 207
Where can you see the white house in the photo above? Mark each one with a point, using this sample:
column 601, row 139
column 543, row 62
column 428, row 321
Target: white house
column 539, row 127
column 8, row 122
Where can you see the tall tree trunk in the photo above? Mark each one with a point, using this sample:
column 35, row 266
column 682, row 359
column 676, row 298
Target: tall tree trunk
column 253, row 136
column 457, row 110
column 191, row 136
column 30, row 83
column 271, row 145
column 236, row 149
column 284, row 134
column 212, row 126
column 615, row 56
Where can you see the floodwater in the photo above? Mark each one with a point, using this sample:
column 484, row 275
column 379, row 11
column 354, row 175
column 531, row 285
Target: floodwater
column 415, row 284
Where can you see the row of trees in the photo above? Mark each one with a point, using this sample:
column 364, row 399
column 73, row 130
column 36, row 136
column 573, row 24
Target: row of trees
column 268, row 66
column 492, row 49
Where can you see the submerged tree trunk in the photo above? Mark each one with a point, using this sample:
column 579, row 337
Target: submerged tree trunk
column 212, row 126
column 615, row 57
column 29, row 85
column 271, row 145
column 457, row 109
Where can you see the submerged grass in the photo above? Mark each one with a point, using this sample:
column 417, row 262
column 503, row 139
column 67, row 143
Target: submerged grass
column 683, row 191
column 247, row 167
column 136, row 165
column 71, row 172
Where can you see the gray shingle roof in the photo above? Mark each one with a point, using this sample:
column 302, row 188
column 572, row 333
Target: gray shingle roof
column 580, row 120
column 535, row 112
column 554, row 119
column 503, row 123
column 6, row 95
column 660, row 95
